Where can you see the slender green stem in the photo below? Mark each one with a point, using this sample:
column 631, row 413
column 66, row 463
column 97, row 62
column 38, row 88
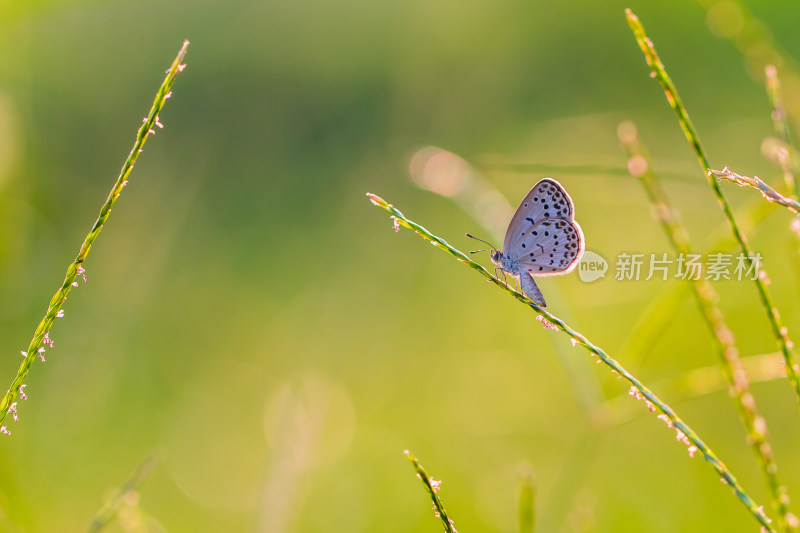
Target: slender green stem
column 110, row 510
column 755, row 182
column 527, row 502
column 638, row 389
column 692, row 384
column 657, row 68
column 739, row 388
column 432, row 486
column 75, row 268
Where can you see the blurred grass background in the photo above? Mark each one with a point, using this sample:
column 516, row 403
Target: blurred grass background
column 254, row 320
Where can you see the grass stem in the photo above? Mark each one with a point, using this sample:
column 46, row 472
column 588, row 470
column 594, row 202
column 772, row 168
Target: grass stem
column 658, row 71
column 638, row 389
column 432, row 487
column 54, row 310
column 739, row 388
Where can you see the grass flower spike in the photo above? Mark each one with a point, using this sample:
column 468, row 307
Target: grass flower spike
column 41, row 336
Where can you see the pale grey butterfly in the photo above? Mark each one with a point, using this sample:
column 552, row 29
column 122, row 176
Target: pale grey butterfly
column 542, row 239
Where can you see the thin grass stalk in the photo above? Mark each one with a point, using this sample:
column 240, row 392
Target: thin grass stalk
column 432, row 487
column 112, row 507
column 695, row 383
column 786, row 154
column 527, row 501
column 657, row 68
column 75, row 269
column 755, row 182
column 638, row 389
column 739, row 389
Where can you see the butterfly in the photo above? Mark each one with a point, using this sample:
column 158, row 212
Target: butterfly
column 542, row 239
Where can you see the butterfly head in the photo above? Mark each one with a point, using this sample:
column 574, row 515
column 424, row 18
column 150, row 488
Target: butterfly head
column 496, row 257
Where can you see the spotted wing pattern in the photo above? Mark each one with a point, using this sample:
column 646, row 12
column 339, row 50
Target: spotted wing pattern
column 543, row 236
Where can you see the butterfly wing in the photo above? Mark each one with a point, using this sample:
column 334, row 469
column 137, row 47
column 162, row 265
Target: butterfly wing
column 552, row 247
column 543, row 237
column 546, row 199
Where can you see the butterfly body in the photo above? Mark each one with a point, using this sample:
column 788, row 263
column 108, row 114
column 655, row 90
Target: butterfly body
column 543, row 238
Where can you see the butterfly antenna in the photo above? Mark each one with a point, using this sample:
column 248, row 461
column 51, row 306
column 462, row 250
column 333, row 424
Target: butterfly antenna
column 485, row 242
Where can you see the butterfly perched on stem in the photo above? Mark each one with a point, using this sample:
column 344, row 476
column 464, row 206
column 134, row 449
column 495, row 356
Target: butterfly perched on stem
column 542, row 239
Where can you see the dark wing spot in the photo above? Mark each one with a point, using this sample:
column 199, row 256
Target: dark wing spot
column 523, row 245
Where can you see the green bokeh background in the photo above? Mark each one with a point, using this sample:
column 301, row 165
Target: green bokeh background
column 253, row 320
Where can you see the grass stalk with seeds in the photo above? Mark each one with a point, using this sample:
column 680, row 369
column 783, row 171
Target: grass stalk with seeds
column 779, row 331
column 755, row 182
column 75, row 269
column 432, row 487
column 739, row 388
column 638, row 390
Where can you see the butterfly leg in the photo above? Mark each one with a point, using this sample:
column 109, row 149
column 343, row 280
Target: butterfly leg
column 530, row 289
column 505, row 277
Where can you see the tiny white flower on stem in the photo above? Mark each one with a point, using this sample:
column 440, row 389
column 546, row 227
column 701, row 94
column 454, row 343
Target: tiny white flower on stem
column 181, row 67
column 47, row 340
column 24, row 354
column 81, row 270
column 60, row 313
column 12, row 410
column 22, row 392
column 4, row 430
column 546, row 323
column 435, row 484
column 158, row 123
